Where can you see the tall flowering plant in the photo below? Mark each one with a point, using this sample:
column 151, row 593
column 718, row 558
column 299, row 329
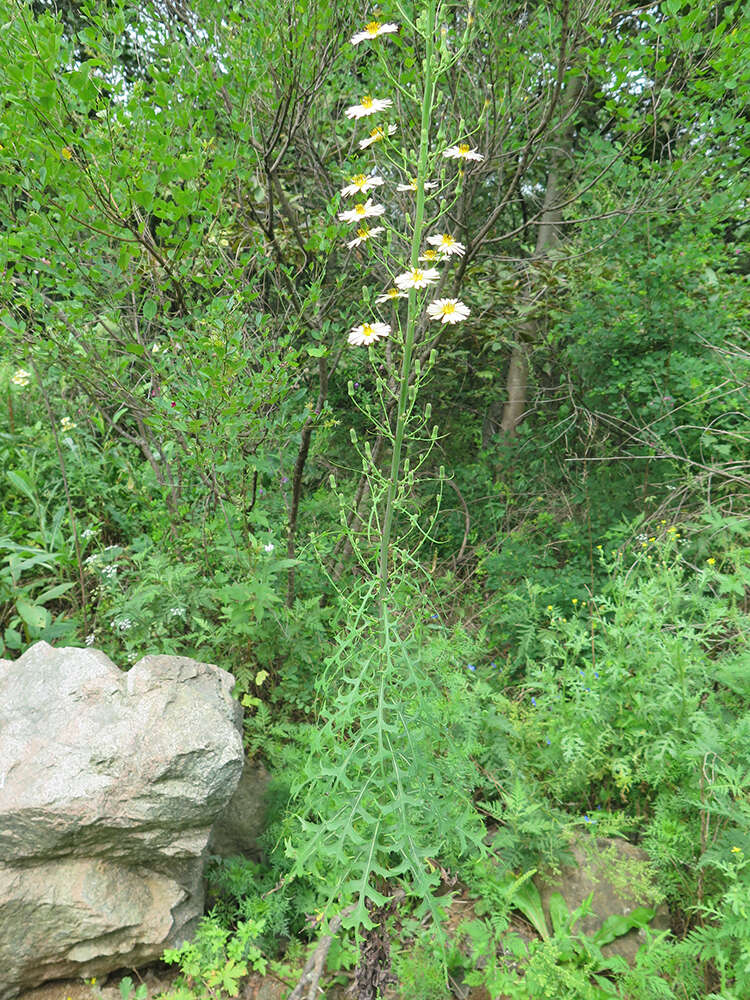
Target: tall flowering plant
column 384, row 790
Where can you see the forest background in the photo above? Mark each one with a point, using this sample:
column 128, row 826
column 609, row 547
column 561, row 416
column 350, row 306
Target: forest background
column 196, row 460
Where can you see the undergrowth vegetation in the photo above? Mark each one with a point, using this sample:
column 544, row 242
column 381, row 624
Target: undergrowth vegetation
column 480, row 566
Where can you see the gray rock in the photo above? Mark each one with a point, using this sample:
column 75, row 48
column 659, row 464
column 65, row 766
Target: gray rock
column 621, row 880
column 237, row 829
column 109, row 785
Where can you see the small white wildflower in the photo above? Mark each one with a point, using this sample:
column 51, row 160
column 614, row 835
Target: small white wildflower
column 446, row 244
column 92, row 558
column 412, row 185
column 176, row 612
column 88, row 533
column 361, row 184
column 372, row 30
column 390, row 295
column 447, row 310
column 122, row 624
column 21, row 377
column 269, row 547
column 155, row 348
column 109, row 572
column 66, row 424
column 417, row 278
column 364, row 234
column 462, row 152
column 368, row 106
column 432, row 256
column 90, row 638
column 376, row 135
column 365, row 211
column 368, row 333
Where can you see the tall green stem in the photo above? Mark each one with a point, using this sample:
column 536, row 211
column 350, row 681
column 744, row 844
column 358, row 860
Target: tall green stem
column 411, row 315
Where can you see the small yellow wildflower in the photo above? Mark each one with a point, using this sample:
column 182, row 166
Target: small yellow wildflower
column 711, row 561
column 575, row 600
column 67, row 153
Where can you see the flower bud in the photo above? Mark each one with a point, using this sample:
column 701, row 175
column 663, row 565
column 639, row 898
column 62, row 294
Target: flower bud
column 350, row 387
column 428, row 411
column 353, row 435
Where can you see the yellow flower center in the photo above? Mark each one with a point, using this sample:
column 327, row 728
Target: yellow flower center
column 417, row 276
column 363, row 233
column 359, row 180
column 372, row 28
column 367, row 102
column 360, row 210
column 392, row 293
column 377, row 132
column 413, row 184
column 430, row 254
column 448, row 308
column 367, row 330
column 463, row 148
column 446, row 240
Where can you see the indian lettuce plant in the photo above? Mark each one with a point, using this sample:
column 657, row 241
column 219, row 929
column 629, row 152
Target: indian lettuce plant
column 385, row 789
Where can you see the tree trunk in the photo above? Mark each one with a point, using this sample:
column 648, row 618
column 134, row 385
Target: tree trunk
column 547, row 237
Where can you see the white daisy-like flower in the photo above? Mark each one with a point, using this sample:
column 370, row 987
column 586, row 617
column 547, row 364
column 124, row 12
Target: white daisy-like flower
column 269, row 547
column 360, row 184
column 376, row 135
column 368, row 333
column 462, row 152
column 417, row 277
column 372, row 30
column 90, row 639
column 368, row 106
column 447, row 310
column 432, row 256
column 363, row 233
column 390, row 295
column 446, row 244
column 412, row 185
column 66, row 424
column 21, row 377
column 359, row 212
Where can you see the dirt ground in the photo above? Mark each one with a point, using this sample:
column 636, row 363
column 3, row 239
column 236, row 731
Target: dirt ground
column 157, row 978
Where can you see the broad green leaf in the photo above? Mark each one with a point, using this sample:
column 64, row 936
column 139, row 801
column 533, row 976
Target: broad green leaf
column 35, row 616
